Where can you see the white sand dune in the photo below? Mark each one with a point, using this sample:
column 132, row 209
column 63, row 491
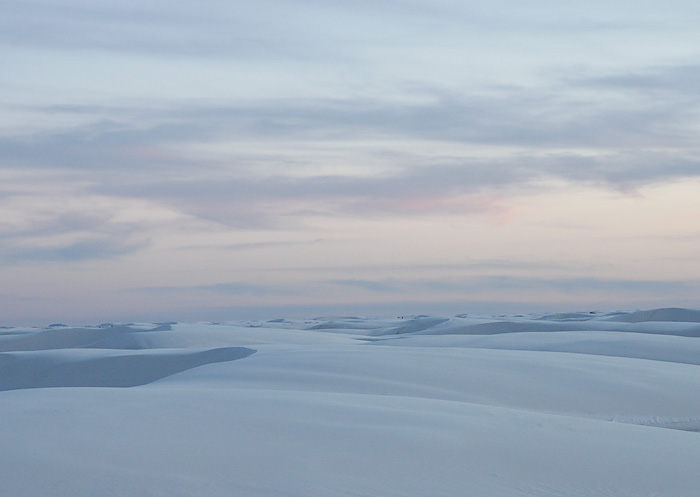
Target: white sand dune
column 567, row 405
column 656, row 315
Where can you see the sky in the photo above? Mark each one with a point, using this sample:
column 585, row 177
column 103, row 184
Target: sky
column 233, row 160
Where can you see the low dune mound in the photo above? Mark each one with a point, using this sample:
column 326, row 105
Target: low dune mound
column 670, row 314
column 570, row 316
column 68, row 338
column 499, row 327
column 415, row 325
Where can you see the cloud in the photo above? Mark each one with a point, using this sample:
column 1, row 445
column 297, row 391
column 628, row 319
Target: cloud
column 505, row 284
column 258, row 188
column 257, row 32
column 62, row 222
column 455, row 186
column 94, row 248
column 372, row 286
column 651, row 81
column 223, row 289
column 236, row 247
column 269, row 163
column 100, row 147
column 586, row 109
column 558, row 116
column 164, row 29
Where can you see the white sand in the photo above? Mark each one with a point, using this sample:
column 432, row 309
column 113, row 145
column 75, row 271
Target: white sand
column 567, row 405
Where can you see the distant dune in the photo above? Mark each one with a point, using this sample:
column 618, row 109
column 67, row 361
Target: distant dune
column 670, row 314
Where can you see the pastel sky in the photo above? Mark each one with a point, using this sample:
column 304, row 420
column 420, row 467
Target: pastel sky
column 182, row 160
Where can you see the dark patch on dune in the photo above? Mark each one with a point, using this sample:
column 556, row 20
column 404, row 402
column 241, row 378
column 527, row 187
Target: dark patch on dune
column 56, row 368
column 569, row 316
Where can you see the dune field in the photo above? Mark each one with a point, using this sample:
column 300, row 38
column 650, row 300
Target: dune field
column 582, row 404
